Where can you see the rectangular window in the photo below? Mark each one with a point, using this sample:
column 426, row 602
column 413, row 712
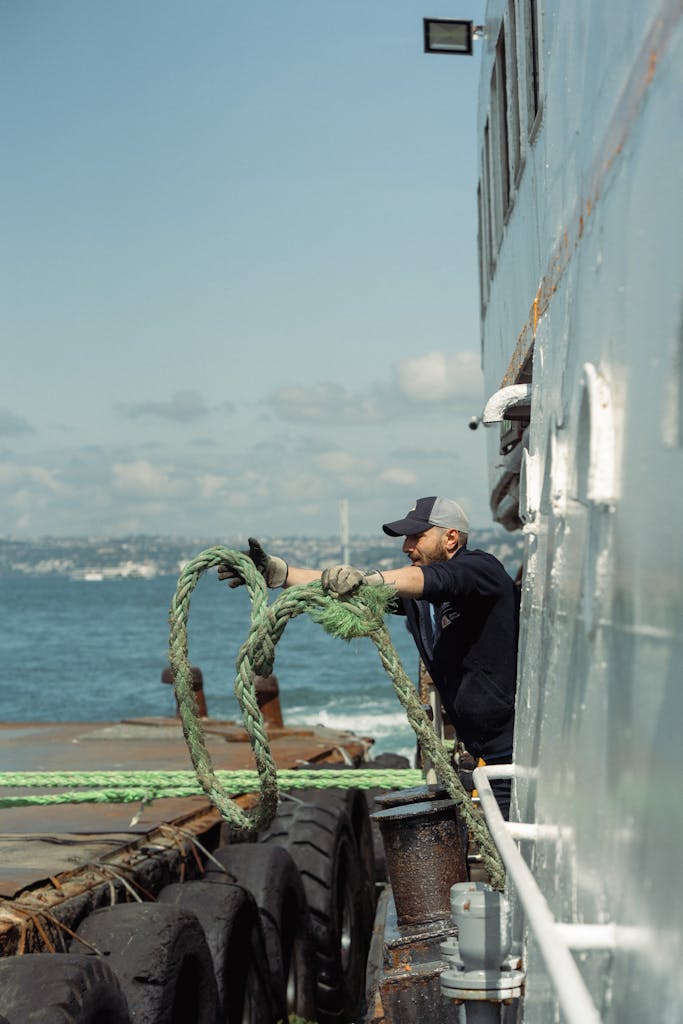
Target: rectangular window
column 501, row 156
column 513, row 94
column 533, row 62
column 500, row 106
column 483, row 249
column 495, row 216
column 500, row 168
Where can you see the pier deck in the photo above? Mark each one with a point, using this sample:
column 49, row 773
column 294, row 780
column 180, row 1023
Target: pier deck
column 39, row 844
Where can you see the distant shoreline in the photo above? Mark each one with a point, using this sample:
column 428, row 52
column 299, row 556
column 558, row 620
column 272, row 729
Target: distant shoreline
column 146, row 557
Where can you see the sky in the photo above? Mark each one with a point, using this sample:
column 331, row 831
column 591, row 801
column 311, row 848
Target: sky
column 238, row 273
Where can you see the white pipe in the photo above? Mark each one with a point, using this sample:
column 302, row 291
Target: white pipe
column 504, row 400
column 604, row 936
column 574, row 998
column 526, row 830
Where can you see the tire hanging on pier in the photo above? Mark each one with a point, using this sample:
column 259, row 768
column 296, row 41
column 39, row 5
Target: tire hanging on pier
column 231, row 923
column 321, row 842
column 161, row 958
column 271, row 876
column 356, row 804
column 69, row 987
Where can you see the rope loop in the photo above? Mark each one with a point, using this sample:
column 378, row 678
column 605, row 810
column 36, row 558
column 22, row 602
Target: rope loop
column 264, row 812
column 358, row 615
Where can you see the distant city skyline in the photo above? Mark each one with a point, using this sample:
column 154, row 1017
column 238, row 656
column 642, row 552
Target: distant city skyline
column 239, row 275
column 145, row 557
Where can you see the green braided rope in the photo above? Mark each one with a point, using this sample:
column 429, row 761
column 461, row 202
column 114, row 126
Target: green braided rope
column 360, row 614
column 432, row 746
column 135, row 786
column 264, row 812
column 237, row 781
column 256, row 657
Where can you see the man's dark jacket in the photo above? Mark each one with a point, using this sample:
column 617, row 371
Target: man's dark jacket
column 469, row 646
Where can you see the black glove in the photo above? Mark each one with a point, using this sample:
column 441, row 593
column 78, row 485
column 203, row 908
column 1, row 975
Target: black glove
column 273, row 569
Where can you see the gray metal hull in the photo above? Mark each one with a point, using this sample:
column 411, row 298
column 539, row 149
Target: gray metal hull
column 585, row 302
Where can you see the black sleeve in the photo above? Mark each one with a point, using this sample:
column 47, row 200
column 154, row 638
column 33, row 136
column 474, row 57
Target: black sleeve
column 465, row 577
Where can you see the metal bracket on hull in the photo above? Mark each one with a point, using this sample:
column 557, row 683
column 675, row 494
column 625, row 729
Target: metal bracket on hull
column 598, row 481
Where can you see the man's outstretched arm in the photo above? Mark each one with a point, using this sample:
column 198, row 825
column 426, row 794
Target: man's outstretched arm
column 346, row 579
column 296, row 576
column 340, row 579
column 275, row 571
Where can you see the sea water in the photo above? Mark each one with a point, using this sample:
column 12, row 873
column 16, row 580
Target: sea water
column 82, row 650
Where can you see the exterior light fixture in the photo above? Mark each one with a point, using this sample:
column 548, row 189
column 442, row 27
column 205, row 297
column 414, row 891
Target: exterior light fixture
column 446, row 35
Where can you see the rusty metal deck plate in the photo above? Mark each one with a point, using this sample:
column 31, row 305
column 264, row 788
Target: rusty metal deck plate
column 37, row 842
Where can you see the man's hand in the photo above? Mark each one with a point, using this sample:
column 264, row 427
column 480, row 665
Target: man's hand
column 343, row 580
column 273, row 569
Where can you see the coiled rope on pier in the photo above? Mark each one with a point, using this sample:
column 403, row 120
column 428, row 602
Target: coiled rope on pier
column 361, row 614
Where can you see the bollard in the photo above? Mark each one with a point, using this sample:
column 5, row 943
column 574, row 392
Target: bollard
column 414, row 795
column 268, row 699
column 197, row 686
column 424, row 858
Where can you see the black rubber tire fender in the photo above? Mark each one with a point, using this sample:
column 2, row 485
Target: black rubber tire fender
column 356, row 804
column 60, row 988
column 231, row 923
column 272, row 877
column 161, row 957
column 321, row 842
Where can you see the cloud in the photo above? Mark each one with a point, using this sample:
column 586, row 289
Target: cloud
column 37, row 477
column 398, row 475
column 436, row 377
column 12, row 425
column 389, row 442
column 142, row 479
column 324, row 402
column 338, row 463
column 210, row 485
column 414, row 387
column 228, row 408
column 203, row 442
column 182, row 407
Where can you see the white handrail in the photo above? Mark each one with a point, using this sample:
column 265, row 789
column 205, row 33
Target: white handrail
column 606, row 936
column 574, row 998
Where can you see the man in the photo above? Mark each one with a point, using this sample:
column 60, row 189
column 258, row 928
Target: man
column 461, row 609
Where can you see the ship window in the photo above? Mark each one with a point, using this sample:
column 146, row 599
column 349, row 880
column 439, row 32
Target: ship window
column 513, row 94
column 502, row 97
column 495, row 196
column 501, row 151
column 483, row 249
column 501, row 169
column 533, row 63
column 489, row 205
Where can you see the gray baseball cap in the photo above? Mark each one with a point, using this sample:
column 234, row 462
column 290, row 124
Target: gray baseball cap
column 428, row 512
